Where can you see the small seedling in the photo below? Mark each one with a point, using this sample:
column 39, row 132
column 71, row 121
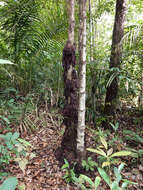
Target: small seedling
column 70, row 175
column 115, row 127
column 89, row 164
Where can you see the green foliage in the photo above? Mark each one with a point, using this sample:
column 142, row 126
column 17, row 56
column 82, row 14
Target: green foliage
column 115, row 185
column 8, row 146
column 115, row 127
column 96, row 88
column 11, row 147
column 118, row 184
column 132, row 136
column 108, row 154
column 13, row 107
column 98, row 133
column 89, row 164
column 9, row 184
column 35, row 41
column 70, row 175
column 83, row 178
column 135, row 153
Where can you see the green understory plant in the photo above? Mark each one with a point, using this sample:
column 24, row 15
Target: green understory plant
column 107, row 154
column 89, row 165
column 132, row 136
column 12, row 148
column 80, row 181
column 117, row 184
column 8, row 147
column 116, row 141
column 9, row 184
column 70, row 175
column 136, row 155
column 115, row 127
column 97, row 133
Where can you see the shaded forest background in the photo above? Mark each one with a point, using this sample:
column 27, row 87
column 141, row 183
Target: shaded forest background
column 33, row 34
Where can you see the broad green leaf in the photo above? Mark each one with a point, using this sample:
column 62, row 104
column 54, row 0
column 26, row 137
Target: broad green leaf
column 24, row 142
column 5, row 119
column 97, row 182
column 121, row 153
column 110, row 151
column 87, row 179
column 134, row 155
column 121, row 166
column 9, row 184
column 8, row 136
column 124, row 185
column 102, row 153
column 15, row 136
column 66, row 165
column 103, row 141
column 129, row 182
column 115, row 186
column 105, row 164
column 3, row 61
column 140, row 139
column 2, row 136
column 117, row 174
column 140, row 151
column 104, row 175
column 129, row 132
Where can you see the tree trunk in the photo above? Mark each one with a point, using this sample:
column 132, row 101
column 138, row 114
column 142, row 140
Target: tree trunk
column 140, row 97
column 70, row 86
column 71, row 10
column 90, row 31
column 116, row 54
column 82, row 82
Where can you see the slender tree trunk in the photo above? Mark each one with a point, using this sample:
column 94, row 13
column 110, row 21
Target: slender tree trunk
column 70, row 86
column 71, row 10
column 90, row 30
column 116, row 54
column 140, row 97
column 82, row 82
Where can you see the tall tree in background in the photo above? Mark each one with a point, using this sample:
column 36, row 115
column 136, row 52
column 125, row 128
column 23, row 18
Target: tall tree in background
column 82, row 80
column 70, row 85
column 116, row 54
column 90, row 30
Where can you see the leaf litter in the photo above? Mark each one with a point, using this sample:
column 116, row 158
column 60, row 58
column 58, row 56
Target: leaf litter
column 41, row 169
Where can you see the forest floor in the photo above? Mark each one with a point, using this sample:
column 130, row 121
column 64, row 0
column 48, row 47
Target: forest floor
column 43, row 170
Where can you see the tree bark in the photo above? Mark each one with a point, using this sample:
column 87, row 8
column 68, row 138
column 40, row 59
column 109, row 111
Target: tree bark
column 90, row 31
column 82, row 81
column 71, row 10
column 70, row 86
column 116, row 54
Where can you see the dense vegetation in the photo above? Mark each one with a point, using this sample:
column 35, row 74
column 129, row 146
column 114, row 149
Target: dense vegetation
column 33, row 34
